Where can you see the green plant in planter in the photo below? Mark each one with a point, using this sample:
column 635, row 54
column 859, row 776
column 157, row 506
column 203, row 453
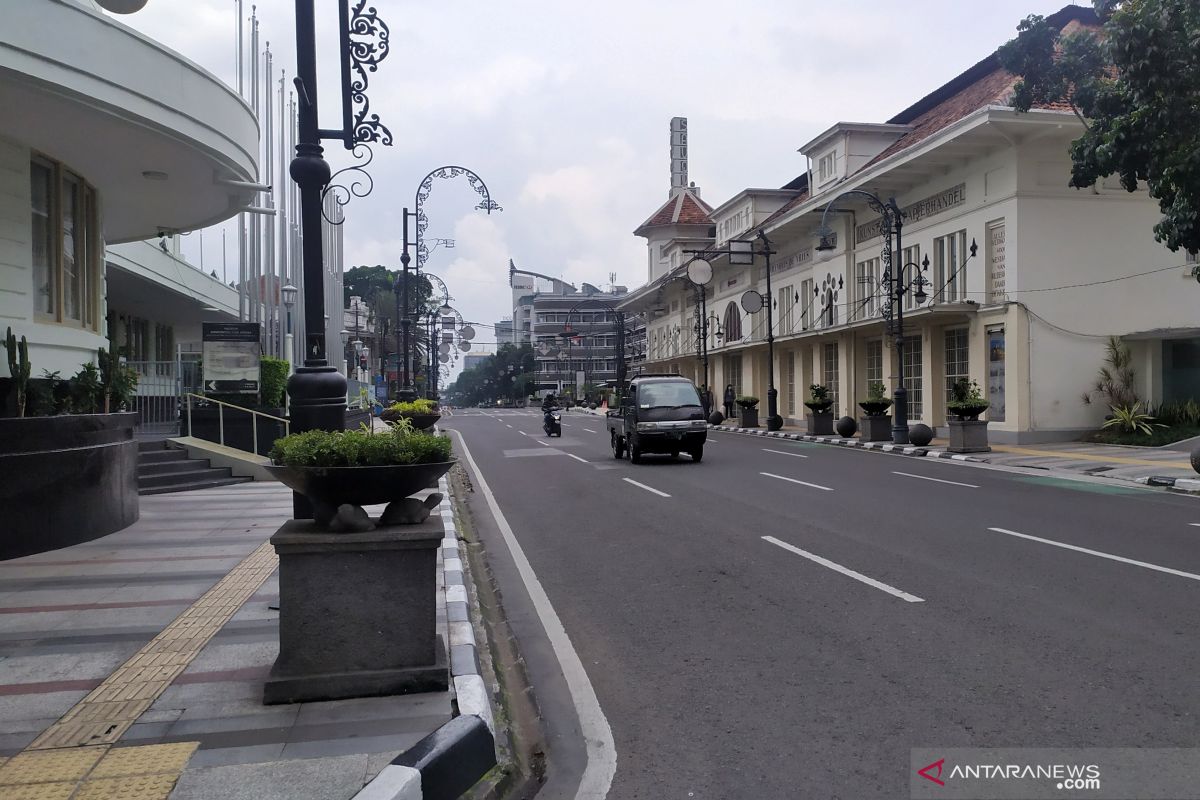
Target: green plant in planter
column 361, row 448
column 87, row 391
column 747, row 401
column 119, row 382
column 273, row 377
column 819, row 400
column 966, row 400
column 1132, row 419
column 877, row 402
column 418, row 406
column 18, row 367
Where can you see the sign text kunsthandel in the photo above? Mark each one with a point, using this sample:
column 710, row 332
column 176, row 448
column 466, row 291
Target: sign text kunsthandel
column 935, row 204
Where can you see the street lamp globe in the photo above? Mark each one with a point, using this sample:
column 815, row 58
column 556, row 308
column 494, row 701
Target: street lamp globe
column 289, row 294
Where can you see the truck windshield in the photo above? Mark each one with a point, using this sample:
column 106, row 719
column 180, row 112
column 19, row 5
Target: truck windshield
column 675, row 393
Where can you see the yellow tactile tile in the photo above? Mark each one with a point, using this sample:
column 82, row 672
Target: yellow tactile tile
column 49, row 766
column 153, row 759
column 112, row 707
column 39, row 791
column 135, row 787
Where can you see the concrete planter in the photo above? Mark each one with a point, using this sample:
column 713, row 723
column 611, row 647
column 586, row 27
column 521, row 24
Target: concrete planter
column 876, row 428
column 748, row 417
column 968, row 436
column 67, row 479
column 820, row 423
column 357, row 613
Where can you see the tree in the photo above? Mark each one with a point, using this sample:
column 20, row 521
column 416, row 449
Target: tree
column 1135, row 84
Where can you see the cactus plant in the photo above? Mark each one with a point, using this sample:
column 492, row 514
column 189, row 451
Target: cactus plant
column 18, row 367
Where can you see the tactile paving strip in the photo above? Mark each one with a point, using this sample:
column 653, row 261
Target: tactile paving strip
column 112, row 707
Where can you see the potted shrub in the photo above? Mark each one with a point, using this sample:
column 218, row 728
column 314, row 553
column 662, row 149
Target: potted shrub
column 338, row 468
column 876, row 423
column 820, row 406
column 421, row 413
column 968, row 433
column 749, row 411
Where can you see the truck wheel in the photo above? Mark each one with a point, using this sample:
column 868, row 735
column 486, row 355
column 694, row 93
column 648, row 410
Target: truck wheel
column 635, row 454
column 617, row 446
column 697, row 453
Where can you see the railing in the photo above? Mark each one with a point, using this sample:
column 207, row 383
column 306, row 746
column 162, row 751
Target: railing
column 221, row 404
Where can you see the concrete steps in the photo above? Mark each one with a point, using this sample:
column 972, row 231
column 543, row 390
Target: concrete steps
column 163, row 469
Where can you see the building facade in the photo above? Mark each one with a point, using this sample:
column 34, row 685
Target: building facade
column 1025, row 279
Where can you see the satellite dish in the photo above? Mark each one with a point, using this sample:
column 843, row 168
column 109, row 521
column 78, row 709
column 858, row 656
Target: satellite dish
column 467, row 332
column 700, row 272
column 122, row 6
column 444, row 348
column 464, row 346
column 752, row 301
column 444, row 359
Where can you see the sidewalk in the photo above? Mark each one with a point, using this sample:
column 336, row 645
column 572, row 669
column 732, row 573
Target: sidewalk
column 132, row 666
column 1149, row 465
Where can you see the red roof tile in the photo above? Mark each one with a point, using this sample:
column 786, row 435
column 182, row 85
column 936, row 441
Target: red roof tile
column 685, row 208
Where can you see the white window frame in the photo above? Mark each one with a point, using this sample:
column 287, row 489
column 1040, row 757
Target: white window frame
column 949, row 283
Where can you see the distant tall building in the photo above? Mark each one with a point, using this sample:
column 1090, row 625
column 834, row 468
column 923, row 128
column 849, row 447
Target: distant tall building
column 586, row 351
column 504, row 331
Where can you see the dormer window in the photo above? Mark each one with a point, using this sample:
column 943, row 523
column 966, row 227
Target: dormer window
column 825, row 167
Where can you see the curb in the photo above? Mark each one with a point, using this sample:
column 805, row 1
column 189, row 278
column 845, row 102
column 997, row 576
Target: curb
column 453, row 758
column 885, row 447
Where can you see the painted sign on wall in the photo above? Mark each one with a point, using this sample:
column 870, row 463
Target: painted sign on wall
column 930, row 206
column 996, row 292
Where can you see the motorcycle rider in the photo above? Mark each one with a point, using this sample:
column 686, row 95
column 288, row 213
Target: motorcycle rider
column 548, row 402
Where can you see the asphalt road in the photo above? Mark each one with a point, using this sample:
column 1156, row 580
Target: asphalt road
column 732, row 665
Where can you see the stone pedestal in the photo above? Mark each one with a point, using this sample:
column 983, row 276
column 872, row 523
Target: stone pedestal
column 357, row 613
column 968, row 436
column 876, row 428
column 820, row 423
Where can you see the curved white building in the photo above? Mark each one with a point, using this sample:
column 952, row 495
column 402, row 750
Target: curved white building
column 107, row 137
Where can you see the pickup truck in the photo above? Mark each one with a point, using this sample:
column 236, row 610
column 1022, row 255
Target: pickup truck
column 659, row 414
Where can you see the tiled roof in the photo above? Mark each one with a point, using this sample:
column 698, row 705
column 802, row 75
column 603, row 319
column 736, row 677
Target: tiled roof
column 685, row 208
column 984, row 84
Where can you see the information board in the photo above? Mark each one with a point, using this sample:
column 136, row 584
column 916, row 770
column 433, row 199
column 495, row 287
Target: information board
column 231, row 357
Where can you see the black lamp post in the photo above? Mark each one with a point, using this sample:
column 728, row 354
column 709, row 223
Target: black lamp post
column 317, row 391
column 423, row 190
column 742, row 253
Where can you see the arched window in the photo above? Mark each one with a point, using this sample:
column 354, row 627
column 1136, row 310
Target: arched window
column 733, row 323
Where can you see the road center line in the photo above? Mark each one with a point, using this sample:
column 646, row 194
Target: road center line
column 523, row 433
column 793, row 480
column 784, row 453
column 935, row 480
column 858, row 576
column 647, row 488
column 543, row 444
column 1109, row 556
column 589, row 430
column 507, row 425
column 577, row 458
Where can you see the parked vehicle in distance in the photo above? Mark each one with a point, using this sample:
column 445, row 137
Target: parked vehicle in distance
column 658, row 414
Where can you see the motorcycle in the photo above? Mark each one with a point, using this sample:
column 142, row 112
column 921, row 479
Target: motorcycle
column 552, row 422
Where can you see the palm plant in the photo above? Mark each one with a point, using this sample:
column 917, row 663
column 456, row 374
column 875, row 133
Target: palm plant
column 1115, row 379
column 1132, row 419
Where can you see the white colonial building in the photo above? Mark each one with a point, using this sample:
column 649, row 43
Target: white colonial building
column 1056, row 270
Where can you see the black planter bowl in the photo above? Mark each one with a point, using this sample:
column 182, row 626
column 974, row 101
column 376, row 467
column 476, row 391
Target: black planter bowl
column 875, row 408
column 968, row 411
column 360, row 486
column 420, row 422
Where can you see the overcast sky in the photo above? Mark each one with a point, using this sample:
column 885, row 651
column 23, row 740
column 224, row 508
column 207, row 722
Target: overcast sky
column 563, row 109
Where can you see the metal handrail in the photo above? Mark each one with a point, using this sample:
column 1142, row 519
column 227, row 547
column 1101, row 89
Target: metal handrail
column 287, row 425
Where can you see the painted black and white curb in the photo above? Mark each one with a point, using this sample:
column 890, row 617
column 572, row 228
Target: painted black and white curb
column 453, row 758
column 1189, row 485
column 886, row 447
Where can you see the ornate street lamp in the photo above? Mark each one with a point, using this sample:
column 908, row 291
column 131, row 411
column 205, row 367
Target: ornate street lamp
column 743, row 252
column 894, row 282
column 317, row 390
column 423, row 191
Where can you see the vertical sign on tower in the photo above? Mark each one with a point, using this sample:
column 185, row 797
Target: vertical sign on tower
column 679, row 157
